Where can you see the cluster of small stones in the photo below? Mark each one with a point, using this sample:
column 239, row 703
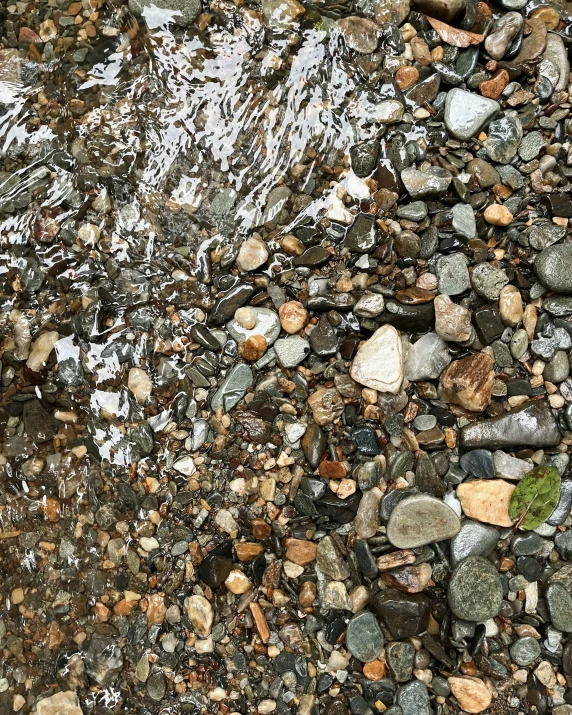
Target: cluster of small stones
column 269, row 471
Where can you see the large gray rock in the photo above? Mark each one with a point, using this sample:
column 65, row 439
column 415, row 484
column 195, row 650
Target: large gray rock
column 232, row 388
column 531, row 424
column 466, row 113
column 553, row 267
column 421, row 519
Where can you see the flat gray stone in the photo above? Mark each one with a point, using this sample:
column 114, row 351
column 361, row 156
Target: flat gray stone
column 474, row 539
column 421, row 519
column 427, row 358
column 431, row 182
column 291, row 351
column 453, row 274
column 524, row 651
column 532, row 424
column 413, row 699
column 233, row 388
column 559, row 603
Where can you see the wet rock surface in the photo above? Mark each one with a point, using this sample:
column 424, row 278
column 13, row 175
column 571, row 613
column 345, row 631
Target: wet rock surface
column 286, row 407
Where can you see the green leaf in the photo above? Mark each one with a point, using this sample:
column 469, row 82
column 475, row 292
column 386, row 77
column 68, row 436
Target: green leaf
column 535, row 497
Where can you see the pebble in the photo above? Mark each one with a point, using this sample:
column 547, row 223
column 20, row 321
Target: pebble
column 364, row 638
column 466, row 113
column 475, row 590
column 532, row 424
column 378, row 363
column 252, row 254
column 453, row 274
column 552, row 267
column 486, row 500
column 498, row 215
column 473, row 539
column 426, row 359
column 421, row 519
column 200, row 613
column 472, row 694
column 291, row 351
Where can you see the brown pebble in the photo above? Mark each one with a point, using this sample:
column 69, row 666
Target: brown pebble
column 374, row 670
column 247, row 552
column 414, row 296
column 332, row 470
column 253, row 348
column 406, row 77
column 307, row 594
column 260, row 529
column 301, row 552
column 260, row 622
column 493, row 87
column 548, row 15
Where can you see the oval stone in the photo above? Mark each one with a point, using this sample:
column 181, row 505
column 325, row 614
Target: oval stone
column 419, row 520
column 364, row 638
column 475, row 590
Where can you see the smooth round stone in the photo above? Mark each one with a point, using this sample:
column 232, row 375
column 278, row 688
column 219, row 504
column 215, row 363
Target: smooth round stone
column 474, row 539
column 526, row 544
column 479, row 463
column 530, row 568
column 525, row 651
column 559, row 603
column 553, row 267
column 558, row 368
column 424, row 422
column 421, row 519
column 267, row 324
column 415, row 211
column 453, row 274
column 364, row 638
column 475, row 590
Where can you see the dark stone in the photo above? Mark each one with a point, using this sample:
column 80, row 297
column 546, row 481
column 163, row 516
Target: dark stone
column 314, row 443
column 409, row 318
column 323, row 338
column 39, row 424
column 362, row 237
column 226, row 306
column 365, row 559
column 217, row 565
column 479, row 463
column 405, row 614
column 365, row 439
column 314, row 256
column 488, row 324
column 532, row 424
column 558, row 204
